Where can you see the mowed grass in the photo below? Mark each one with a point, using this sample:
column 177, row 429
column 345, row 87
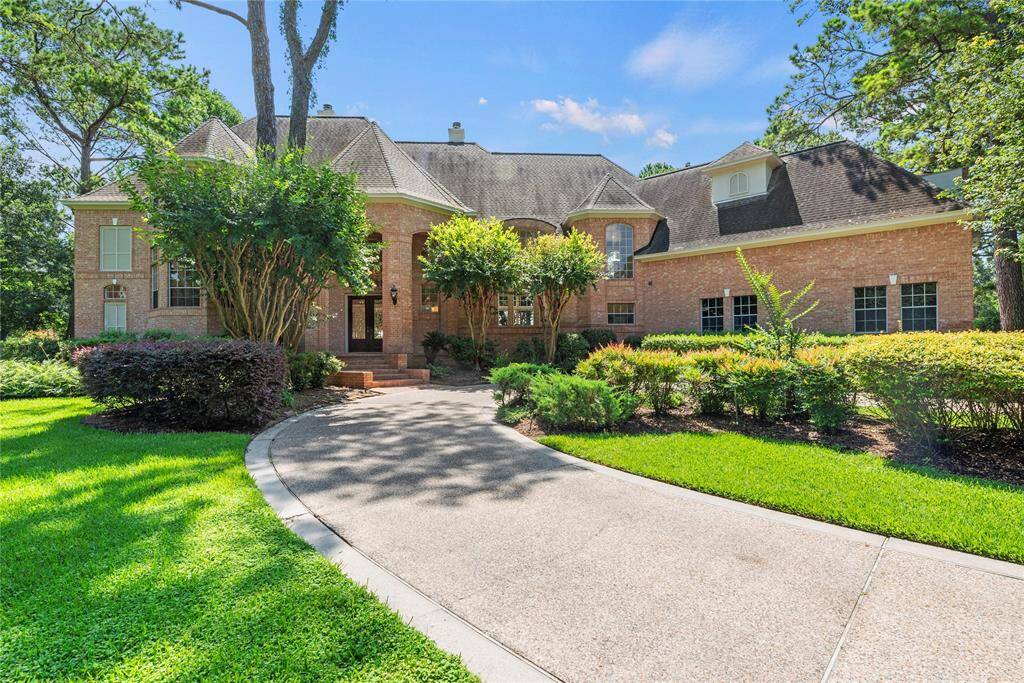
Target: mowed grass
column 144, row 557
column 857, row 490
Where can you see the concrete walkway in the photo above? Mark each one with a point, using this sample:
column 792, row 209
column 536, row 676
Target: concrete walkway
column 592, row 574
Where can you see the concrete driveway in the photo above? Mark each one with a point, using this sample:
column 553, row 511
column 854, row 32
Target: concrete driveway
column 593, row 574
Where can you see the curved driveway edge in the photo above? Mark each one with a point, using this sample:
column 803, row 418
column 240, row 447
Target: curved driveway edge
column 481, row 654
column 593, row 573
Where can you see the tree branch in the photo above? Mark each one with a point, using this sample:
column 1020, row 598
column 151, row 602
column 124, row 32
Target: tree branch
column 219, row 10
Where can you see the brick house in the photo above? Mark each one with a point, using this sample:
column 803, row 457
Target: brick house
column 885, row 253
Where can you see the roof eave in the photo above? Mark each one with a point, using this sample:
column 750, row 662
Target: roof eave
column 901, row 223
column 373, row 197
column 607, row 213
column 770, row 156
column 77, row 203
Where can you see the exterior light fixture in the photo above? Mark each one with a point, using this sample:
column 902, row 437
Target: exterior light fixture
column 892, row 278
column 113, row 280
column 394, row 294
column 726, row 292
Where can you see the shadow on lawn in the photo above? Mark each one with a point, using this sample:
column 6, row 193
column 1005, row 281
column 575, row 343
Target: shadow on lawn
column 155, row 556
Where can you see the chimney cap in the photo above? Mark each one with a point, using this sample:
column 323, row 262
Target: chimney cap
column 456, row 124
column 327, row 110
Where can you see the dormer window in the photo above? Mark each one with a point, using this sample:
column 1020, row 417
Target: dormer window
column 738, row 184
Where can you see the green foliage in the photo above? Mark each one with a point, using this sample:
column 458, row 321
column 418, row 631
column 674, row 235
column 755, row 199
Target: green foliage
column 858, row 490
column 38, row 345
column 824, row 388
column 685, row 342
column 513, row 382
column 612, row 364
column 634, row 340
column 708, row 383
column 529, row 350
column 575, row 403
column 36, row 251
column 789, row 132
column 759, row 385
column 929, row 383
column 655, row 377
column 438, row 371
column 512, row 414
column 309, row 369
column 654, row 168
column 434, row 342
column 187, row 551
column 471, row 354
column 471, row 261
column 597, row 337
column 29, row 379
column 779, row 331
column 260, row 226
column 571, row 349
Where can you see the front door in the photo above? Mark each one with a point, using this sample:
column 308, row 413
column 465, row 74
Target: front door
column 365, row 324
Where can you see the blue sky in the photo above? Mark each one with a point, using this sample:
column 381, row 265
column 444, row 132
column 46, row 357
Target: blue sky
column 637, row 81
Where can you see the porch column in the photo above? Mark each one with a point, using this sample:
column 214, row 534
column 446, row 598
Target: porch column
column 397, row 271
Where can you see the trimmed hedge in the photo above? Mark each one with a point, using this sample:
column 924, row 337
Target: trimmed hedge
column 656, row 377
column 824, row 387
column 687, row 342
column 29, row 379
column 309, row 369
column 931, row 382
column 571, row 402
column 200, row 384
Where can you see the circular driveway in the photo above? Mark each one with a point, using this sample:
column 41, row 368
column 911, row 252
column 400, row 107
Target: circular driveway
column 593, row 574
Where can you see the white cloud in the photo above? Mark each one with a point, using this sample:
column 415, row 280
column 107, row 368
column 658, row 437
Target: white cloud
column 590, row 116
column 687, row 57
column 772, row 68
column 356, row 109
column 720, row 127
column 662, row 138
column 482, row 101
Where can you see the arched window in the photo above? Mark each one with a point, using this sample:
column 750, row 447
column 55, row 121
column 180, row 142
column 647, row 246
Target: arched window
column 114, row 308
column 618, row 246
column 737, row 184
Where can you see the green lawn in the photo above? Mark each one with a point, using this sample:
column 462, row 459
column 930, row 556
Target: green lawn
column 144, row 557
column 857, row 490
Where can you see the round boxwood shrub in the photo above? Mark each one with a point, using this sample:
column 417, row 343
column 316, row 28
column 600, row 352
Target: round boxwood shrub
column 200, row 384
column 571, row 402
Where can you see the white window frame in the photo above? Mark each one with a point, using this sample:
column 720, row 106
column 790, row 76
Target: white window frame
column 174, row 268
column 631, row 312
column 115, row 299
column 512, row 310
column 739, row 184
column 115, row 253
column 619, row 246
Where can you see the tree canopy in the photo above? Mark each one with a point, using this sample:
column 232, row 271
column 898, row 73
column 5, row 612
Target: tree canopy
column 265, row 237
column 654, row 168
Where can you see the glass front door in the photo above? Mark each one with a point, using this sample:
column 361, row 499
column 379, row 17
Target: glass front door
column 365, row 324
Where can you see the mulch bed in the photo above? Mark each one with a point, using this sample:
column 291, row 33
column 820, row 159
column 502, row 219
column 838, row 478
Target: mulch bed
column 459, row 377
column 131, row 421
column 997, row 456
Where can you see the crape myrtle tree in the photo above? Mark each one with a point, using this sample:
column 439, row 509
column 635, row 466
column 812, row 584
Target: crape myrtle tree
column 473, row 260
column 931, row 84
column 265, row 236
column 556, row 268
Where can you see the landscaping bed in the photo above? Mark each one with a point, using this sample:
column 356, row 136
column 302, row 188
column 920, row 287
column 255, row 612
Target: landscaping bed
column 155, row 557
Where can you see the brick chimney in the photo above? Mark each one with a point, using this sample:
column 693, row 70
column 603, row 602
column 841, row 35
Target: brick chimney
column 456, row 134
column 327, row 110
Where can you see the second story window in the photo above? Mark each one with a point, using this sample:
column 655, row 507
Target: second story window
column 618, row 246
column 154, row 278
column 115, row 248
column 182, row 285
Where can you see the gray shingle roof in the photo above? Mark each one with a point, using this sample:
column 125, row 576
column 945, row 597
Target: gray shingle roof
column 611, row 195
column 383, row 168
column 744, row 152
column 546, row 187
column 214, row 140
column 818, row 188
column 326, row 136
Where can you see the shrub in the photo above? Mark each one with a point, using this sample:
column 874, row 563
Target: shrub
column 528, row 351
column 434, row 343
column 708, row 381
column 159, row 334
column 200, row 384
column 309, row 369
column 571, row 349
column 760, row 385
column 513, row 382
column 37, row 346
column 438, row 371
column 469, row 354
column 597, row 337
column 571, row 402
column 612, row 364
column 929, row 383
column 29, row 379
column 824, row 387
column 685, row 342
column 657, row 376
column 512, row 415
column 69, row 347
column 633, row 340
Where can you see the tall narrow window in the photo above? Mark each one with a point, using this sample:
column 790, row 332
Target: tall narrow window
column 920, row 306
column 621, row 314
column 618, row 246
column 869, row 309
column 738, row 184
column 428, row 297
column 744, row 312
column 154, row 278
column 115, row 248
column 515, row 310
column 115, row 317
column 182, row 285
column 712, row 315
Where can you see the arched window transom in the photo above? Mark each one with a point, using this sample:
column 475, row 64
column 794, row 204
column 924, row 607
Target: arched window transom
column 738, row 184
column 618, row 246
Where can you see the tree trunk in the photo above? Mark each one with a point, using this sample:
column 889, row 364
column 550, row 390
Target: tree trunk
column 84, row 165
column 303, row 62
column 263, row 85
column 1009, row 280
column 302, row 86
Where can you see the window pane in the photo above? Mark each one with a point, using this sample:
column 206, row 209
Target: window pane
column 618, row 239
column 744, row 312
column 712, row 315
column 183, row 285
column 114, row 316
column 919, row 306
column 620, row 314
column 358, row 318
column 428, row 298
column 869, row 309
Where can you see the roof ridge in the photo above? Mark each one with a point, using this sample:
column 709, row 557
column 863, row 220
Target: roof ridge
column 351, row 142
column 376, row 138
column 824, row 144
column 440, row 187
column 630, row 192
column 675, row 170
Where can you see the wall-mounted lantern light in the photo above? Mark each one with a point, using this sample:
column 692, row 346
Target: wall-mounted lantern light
column 893, row 277
column 394, row 294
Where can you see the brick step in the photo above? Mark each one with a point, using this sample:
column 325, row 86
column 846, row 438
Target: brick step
column 407, row 382
column 369, row 378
